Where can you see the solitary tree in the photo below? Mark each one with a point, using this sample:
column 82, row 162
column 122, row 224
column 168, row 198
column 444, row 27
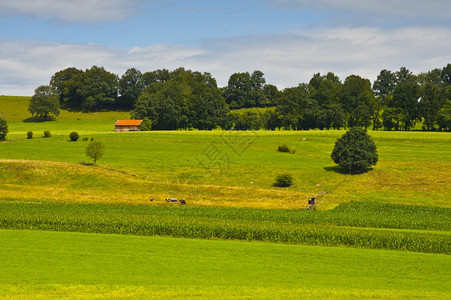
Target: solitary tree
column 44, row 102
column 95, row 150
column 355, row 151
column 3, row 129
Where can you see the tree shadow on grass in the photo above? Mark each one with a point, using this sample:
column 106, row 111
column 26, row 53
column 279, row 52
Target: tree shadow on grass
column 340, row 170
column 336, row 169
column 38, row 119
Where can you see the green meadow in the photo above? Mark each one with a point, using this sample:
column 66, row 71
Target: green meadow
column 382, row 234
column 219, row 168
column 109, row 266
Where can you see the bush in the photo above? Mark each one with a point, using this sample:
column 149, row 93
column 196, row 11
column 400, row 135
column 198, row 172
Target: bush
column 283, row 148
column 146, row 125
column 74, row 136
column 283, row 180
column 29, row 135
column 355, row 151
column 47, row 134
column 85, row 139
column 3, row 129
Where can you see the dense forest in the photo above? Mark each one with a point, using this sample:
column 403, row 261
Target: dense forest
column 184, row 99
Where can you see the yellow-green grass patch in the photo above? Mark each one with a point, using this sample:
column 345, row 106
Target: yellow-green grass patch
column 50, row 264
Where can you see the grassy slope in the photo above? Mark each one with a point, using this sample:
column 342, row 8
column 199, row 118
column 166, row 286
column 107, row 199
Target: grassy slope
column 15, row 109
column 90, row 265
column 413, row 168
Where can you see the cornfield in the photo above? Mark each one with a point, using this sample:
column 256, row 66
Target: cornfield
column 362, row 225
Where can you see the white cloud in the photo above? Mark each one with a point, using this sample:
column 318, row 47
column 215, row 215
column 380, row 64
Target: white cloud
column 286, row 59
column 84, row 11
column 381, row 10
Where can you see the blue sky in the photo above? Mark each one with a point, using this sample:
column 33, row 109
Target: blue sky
column 288, row 40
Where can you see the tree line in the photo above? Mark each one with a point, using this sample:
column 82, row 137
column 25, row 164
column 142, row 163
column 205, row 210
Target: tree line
column 184, row 99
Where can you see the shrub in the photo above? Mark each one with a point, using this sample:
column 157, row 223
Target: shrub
column 355, row 151
column 85, row 139
column 283, row 148
column 3, row 129
column 47, row 134
column 146, row 125
column 74, row 136
column 283, row 180
column 29, row 135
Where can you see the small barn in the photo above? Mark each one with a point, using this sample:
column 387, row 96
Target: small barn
column 127, row 125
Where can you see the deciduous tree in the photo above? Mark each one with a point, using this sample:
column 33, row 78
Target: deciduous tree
column 44, row 102
column 405, row 100
column 357, row 100
column 95, row 150
column 355, row 151
column 430, row 104
column 131, row 86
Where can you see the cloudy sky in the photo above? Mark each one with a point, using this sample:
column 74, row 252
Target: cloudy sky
column 288, row 40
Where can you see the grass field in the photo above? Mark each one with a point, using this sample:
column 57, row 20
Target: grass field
column 222, row 168
column 98, row 266
column 15, row 109
column 226, row 179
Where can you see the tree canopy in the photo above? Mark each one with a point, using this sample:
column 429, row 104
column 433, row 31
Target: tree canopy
column 44, row 102
column 95, row 150
column 355, row 151
column 188, row 99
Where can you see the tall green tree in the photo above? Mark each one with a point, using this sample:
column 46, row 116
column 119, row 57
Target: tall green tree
column 326, row 91
column 131, row 86
column 430, row 104
column 444, row 115
column 160, row 75
column 188, row 99
column 405, row 100
column 446, row 74
column 207, row 107
column 270, row 96
column 238, row 90
column 44, row 102
column 384, row 85
column 357, row 100
column 68, row 84
column 434, row 76
column 404, row 75
column 99, row 89
column 246, row 90
column 292, row 106
column 3, row 128
column 383, row 88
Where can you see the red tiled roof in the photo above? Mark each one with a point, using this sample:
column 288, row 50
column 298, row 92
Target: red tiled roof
column 128, row 122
